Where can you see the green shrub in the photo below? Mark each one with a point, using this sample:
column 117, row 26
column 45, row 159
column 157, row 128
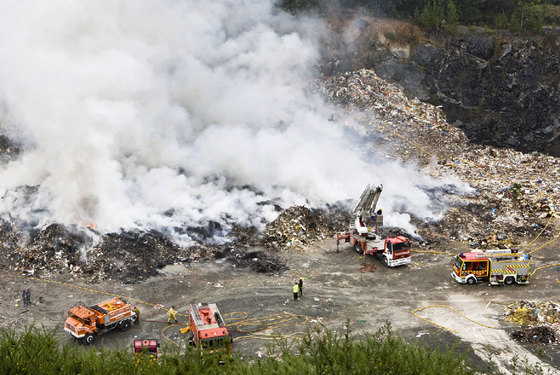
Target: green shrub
column 37, row 351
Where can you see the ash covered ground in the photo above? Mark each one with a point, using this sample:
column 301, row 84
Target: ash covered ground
column 513, row 197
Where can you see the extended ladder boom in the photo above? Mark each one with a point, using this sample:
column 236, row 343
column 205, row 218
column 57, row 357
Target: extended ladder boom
column 364, row 211
column 368, row 201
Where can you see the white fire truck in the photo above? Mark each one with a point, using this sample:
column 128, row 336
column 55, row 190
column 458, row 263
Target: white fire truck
column 363, row 236
column 502, row 266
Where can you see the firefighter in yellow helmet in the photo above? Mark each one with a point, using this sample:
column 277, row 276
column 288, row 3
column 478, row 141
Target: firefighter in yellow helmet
column 172, row 315
column 137, row 312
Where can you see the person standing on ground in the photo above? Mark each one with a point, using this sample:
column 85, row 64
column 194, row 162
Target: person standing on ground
column 26, row 297
column 137, row 312
column 172, row 315
column 295, row 290
column 300, row 286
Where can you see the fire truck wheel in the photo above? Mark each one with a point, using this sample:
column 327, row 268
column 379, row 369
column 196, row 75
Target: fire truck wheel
column 385, row 262
column 89, row 339
column 509, row 280
column 471, row 281
column 358, row 247
column 124, row 325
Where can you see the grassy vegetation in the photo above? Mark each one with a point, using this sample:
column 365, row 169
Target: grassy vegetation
column 36, row 351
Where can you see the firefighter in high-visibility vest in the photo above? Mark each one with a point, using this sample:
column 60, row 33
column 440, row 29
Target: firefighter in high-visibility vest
column 172, row 315
column 137, row 312
column 295, row 290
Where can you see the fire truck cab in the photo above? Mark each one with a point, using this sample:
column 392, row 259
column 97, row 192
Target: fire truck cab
column 208, row 331
column 393, row 251
column 502, row 266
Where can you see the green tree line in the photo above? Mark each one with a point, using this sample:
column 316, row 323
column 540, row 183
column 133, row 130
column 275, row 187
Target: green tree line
column 515, row 15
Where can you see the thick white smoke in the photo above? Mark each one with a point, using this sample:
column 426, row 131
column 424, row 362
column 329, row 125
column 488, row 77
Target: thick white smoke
column 154, row 113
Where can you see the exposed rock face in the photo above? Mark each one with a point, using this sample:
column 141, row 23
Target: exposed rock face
column 502, row 90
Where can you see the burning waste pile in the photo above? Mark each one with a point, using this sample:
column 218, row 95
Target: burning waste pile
column 514, row 194
column 133, row 256
column 540, row 321
column 299, row 226
column 127, row 256
column 220, row 161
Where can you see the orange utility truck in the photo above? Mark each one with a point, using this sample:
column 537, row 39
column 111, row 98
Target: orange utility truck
column 86, row 323
column 208, row 331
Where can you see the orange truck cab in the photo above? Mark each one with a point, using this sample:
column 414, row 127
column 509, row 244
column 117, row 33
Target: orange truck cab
column 208, row 331
column 85, row 323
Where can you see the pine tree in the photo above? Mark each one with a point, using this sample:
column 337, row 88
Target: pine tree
column 452, row 17
column 524, row 5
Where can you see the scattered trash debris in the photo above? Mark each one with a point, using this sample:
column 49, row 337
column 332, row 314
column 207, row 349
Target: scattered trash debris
column 540, row 321
column 298, row 226
column 542, row 334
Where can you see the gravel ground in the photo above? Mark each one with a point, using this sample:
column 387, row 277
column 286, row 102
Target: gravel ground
column 335, row 291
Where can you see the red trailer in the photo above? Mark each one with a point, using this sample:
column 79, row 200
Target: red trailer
column 150, row 347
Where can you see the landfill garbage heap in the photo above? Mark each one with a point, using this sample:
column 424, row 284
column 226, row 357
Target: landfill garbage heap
column 539, row 321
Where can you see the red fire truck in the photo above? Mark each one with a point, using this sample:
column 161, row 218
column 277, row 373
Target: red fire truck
column 502, row 266
column 208, row 331
column 363, row 235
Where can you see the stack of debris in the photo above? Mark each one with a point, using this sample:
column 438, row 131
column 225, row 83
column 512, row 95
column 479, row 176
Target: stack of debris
column 297, row 226
column 387, row 112
column 50, row 250
column 127, row 256
column 132, row 256
column 515, row 193
column 540, row 320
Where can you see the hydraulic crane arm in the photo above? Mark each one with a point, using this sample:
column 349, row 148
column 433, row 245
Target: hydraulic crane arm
column 364, row 211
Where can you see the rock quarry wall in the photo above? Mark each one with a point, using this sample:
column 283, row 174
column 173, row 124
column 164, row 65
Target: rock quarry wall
column 502, row 90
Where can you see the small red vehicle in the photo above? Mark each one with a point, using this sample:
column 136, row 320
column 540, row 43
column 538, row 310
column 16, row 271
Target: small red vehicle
column 150, row 347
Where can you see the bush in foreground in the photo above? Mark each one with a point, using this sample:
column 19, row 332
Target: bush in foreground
column 37, row 351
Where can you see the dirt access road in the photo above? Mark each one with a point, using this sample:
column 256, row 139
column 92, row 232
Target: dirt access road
column 335, row 290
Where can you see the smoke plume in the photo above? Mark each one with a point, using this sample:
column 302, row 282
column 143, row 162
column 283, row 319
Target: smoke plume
column 163, row 114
